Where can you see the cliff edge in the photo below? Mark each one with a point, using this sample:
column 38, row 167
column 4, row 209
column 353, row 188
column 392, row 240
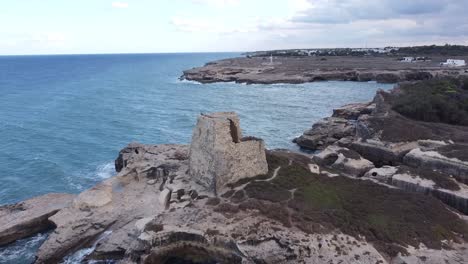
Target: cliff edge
column 162, row 207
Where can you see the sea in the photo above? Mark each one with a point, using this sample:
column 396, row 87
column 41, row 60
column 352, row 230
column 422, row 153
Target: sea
column 64, row 118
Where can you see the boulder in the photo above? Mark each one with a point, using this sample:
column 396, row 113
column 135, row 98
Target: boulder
column 381, row 153
column 344, row 160
column 353, row 111
column 326, row 132
column 165, row 197
column 98, row 196
column 124, row 154
column 219, row 155
column 29, row 217
column 383, row 174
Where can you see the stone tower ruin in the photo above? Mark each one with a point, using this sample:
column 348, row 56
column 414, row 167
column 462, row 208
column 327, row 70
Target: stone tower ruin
column 219, row 155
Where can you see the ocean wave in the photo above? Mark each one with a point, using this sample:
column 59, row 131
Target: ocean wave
column 105, row 170
column 83, row 180
column 187, row 81
column 80, row 255
column 22, row 251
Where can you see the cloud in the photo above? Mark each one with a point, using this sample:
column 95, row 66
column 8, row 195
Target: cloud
column 392, row 21
column 300, row 5
column 336, row 23
column 204, row 25
column 346, row 11
column 119, row 5
column 217, row 3
column 50, row 38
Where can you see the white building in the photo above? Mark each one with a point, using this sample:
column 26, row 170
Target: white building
column 408, row 59
column 454, row 63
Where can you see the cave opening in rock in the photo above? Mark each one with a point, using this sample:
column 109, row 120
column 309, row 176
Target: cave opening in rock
column 234, row 131
column 180, row 260
column 190, row 254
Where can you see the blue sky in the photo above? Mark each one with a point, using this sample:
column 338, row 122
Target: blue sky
column 127, row 26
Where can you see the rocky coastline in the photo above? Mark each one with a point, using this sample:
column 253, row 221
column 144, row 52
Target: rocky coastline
column 372, row 141
column 296, row 70
column 380, row 187
column 225, row 199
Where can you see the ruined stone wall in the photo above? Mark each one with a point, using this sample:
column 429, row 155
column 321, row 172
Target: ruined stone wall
column 219, row 156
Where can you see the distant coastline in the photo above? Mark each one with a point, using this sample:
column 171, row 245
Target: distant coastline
column 388, row 65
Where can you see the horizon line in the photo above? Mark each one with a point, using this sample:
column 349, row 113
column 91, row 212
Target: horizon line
column 201, row 52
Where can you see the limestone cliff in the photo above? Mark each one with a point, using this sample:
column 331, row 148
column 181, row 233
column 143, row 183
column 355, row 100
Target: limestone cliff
column 288, row 209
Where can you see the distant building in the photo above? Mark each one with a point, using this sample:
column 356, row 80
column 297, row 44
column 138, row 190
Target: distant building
column 454, row 63
column 408, row 59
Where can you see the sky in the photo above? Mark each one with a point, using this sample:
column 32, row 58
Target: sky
column 151, row 26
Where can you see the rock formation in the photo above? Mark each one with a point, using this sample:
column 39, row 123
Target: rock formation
column 161, row 208
column 415, row 156
column 296, row 70
column 219, row 155
column 29, row 217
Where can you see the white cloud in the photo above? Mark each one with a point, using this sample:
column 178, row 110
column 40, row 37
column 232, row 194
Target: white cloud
column 215, row 25
column 119, row 5
column 300, row 5
column 334, row 23
column 49, row 38
column 217, row 3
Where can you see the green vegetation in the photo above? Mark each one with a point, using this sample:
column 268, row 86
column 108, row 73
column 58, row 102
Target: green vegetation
column 389, row 218
column 439, row 100
column 416, row 51
column 446, row 50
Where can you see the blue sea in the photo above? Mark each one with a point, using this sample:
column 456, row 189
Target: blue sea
column 64, row 118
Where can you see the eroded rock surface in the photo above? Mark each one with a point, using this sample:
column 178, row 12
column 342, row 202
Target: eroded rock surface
column 300, row 210
column 412, row 155
column 117, row 203
column 29, row 217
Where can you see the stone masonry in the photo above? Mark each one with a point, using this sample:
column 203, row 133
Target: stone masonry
column 220, row 156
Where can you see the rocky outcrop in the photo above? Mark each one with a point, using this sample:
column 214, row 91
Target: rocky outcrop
column 219, row 155
column 310, row 69
column 300, row 210
column 353, row 111
column 326, row 132
column 116, row 204
column 29, row 217
column 436, row 161
column 381, row 153
column 134, row 227
column 344, row 160
column 434, row 155
column 455, row 197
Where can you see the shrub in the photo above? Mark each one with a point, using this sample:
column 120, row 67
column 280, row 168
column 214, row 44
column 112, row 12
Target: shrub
column 440, row 100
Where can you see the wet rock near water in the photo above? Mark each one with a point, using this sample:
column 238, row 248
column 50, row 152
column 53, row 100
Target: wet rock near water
column 288, row 208
column 29, row 217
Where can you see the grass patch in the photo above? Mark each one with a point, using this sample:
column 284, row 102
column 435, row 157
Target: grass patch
column 290, row 177
column 389, row 218
column 267, row 191
column 439, row 100
column 317, row 197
